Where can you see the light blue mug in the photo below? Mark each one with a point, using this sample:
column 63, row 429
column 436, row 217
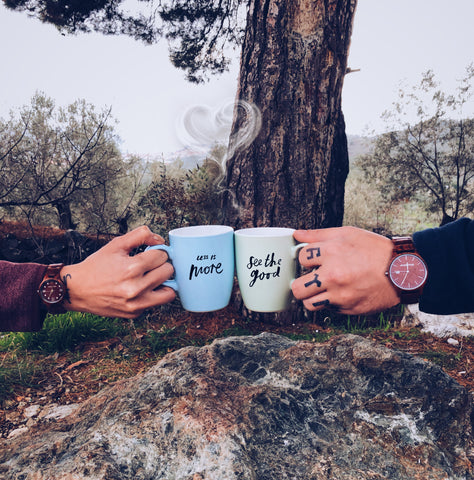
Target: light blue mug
column 203, row 261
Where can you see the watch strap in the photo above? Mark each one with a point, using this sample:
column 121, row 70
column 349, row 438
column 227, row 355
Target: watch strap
column 408, row 298
column 53, row 271
column 402, row 245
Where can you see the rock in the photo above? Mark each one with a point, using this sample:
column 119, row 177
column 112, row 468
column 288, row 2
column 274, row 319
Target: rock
column 31, row 411
column 56, row 412
column 261, row 408
column 17, row 432
column 442, row 326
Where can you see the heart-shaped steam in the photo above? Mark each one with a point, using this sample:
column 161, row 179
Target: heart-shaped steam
column 200, row 128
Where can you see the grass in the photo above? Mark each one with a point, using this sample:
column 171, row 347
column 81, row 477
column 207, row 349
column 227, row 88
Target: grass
column 23, row 353
column 63, row 333
column 164, row 340
column 15, row 370
column 443, row 359
column 361, row 324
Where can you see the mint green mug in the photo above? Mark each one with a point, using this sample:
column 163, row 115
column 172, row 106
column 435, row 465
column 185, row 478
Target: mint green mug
column 265, row 259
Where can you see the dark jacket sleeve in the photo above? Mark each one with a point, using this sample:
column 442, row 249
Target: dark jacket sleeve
column 449, row 254
column 20, row 305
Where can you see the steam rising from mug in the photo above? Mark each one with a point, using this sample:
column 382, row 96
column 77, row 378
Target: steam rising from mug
column 202, row 128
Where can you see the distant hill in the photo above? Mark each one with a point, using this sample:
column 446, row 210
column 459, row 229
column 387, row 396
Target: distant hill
column 188, row 157
column 358, row 145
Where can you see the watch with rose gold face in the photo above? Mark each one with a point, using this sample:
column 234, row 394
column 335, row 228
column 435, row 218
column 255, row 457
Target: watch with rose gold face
column 407, row 270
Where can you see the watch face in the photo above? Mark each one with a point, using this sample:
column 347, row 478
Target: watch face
column 408, row 272
column 52, row 291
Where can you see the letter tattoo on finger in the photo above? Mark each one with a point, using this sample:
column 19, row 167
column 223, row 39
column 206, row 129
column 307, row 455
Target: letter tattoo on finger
column 313, row 252
column 315, row 280
column 326, row 303
column 322, row 303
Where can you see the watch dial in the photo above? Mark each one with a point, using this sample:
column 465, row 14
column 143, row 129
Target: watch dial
column 408, row 271
column 52, row 291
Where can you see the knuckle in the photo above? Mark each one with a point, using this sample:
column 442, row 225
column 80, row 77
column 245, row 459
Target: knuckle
column 133, row 269
column 168, row 269
column 132, row 309
column 344, row 299
column 331, row 277
column 338, row 277
column 129, row 291
column 114, row 241
column 161, row 255
column 142, row 230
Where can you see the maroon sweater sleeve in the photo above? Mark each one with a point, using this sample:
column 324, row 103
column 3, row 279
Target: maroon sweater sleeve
column 20, row 305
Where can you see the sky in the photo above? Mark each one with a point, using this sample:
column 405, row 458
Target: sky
column 393, row 42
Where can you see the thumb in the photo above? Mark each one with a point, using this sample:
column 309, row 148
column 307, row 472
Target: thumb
column 137, row 237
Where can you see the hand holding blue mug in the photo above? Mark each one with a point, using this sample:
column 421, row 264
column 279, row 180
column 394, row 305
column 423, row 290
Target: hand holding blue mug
column 203, row 260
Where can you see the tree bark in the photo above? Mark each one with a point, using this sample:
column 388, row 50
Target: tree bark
column 63, row 208
column 293, row 63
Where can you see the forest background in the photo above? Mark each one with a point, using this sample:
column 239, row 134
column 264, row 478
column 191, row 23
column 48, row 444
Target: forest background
column 387, row 68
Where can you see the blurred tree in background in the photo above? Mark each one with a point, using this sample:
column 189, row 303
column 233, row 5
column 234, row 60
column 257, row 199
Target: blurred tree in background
column 62, row 166
column 431, row 161
column 178, row 197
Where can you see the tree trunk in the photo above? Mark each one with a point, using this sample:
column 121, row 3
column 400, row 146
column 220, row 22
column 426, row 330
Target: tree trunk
column 65, row 215
column 293, row 63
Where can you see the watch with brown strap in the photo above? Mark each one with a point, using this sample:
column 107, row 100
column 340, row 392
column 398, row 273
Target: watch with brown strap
column 407, row 270
column 52, row 289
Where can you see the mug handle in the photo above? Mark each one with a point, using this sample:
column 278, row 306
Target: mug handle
column 167, row 283
column 294, row 251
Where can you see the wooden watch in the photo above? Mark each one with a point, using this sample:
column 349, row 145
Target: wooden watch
column 407, row 270
column 52, row 289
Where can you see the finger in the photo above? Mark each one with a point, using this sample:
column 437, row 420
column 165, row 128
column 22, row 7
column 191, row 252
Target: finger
column 154, row 278
column 308, row 285
column 140, row 236
column 319, row 235
column 160, row 296
column 151, row 259
column 149, row 299
column 153, row 298
column 310, row 256
column 319, row 302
